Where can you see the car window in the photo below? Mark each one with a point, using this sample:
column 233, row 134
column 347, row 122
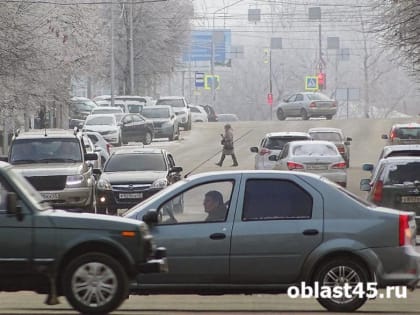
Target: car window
column 204, row 203
column 318, row 97
column 277, row 143
column 155, row 112
column 299, row 97
column 315, row 149
column 285, row 152
column 408, row 133
column 194, row 109
column 291, row 98
column 171, row 160
column 128, row 119
column 101, row 120
column 134, row 108
column 328, row 136
column 275, row 199
column 402, row 173
column 171, row 102
column 135, row 162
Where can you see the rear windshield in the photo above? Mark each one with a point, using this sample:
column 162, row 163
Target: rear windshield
column 135, row 162
column 155, row 112
column 277, row 143
column 318, row 97
column 315, row 149
column 408, row 133
column 403, row 173
column 171, row 102
column 328, row 136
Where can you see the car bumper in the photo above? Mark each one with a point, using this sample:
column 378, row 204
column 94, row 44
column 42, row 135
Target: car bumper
column 322, row 111
column 112, row 199
column 69, row 197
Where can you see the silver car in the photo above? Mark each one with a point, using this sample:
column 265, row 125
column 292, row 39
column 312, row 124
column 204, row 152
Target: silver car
column 165, row 123
column 316, row 156
column 272, row 144
column 275, row 230
column 306, row 105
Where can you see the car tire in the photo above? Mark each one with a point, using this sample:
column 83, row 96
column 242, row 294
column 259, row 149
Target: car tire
column 112, row 283
column 280, row 114
column 188, row 125
column 124, row 141
column 172, row 136
column 119, row 142
column 329, row 117
column 148, row 138
column 304, row 114
column 340, row 271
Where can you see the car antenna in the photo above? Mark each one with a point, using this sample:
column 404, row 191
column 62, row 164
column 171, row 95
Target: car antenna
column 217, row 153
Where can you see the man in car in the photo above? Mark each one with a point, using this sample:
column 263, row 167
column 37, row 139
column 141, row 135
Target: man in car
column 214, row 206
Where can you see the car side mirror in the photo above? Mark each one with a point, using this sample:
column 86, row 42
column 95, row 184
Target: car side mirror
column 349, row 139
column 151, row 217
column 12, row 207
column 347, row 142
column 253, row 149
column 91, row 156
column 176, row 169
column 367, row 167
column 365, row 184
column 384, row 137
column 273, row 158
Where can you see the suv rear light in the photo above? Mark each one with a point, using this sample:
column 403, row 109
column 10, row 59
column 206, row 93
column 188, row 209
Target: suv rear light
column 264, row 151
column 294, row 166
column 393, row 135
column 377, row 191
column 405, row 234
column 312, row 105
column 339, row 165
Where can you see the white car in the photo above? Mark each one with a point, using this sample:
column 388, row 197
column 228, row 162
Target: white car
column 106, row 110
column 198, row 114
column 107, row 125
column 272, row 144
column 181, row 109
column 313, row 156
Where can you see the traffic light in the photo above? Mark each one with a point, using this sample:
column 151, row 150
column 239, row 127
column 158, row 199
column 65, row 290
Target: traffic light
column 266, row 55
column 322, row 83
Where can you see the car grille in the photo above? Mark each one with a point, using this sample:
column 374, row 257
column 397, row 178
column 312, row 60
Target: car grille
column 57, row 182
column 130, row 187
column 157, row 125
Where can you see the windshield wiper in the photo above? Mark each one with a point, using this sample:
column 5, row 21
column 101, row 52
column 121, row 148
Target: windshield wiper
column 57, row 160
column 24, row 161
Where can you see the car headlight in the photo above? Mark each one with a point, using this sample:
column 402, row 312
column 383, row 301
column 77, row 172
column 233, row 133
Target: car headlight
column 103, row 184
column 160, row 183
column 74, row 180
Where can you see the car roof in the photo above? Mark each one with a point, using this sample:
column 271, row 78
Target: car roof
column 325, row 129
column 300, row 142
column 159, row 106
column 287, row 134
column 139, row 151
column 50, row 133
column 401, row 147
column 170, row 97
column 406, row 125
column 397, row 159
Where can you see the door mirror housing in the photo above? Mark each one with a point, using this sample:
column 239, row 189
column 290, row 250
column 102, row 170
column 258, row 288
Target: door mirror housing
column 151, row 217
column 253, row 149
column 12, row 206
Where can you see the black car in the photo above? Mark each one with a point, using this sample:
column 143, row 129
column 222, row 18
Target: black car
column 211, row 114
column 135, row 127
column 132, row 175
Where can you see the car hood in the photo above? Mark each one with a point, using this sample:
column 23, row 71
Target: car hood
column 49, row 169
column 100, row 128
column 89, row 221
column 132, row 177
column 159, row 120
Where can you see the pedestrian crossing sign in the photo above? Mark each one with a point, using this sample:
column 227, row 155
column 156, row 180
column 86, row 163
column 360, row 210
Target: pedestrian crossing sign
column 311, row 83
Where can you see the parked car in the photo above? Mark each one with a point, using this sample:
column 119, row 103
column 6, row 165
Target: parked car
column 198, row 114
column 408, row 133
column 135, row 127
column 102, row 146
column 132, row 175
column 314, row 156
column 336, row 136
column 147, row 100
column 106, row 110
column 165, row 123
column 128, row 106
column 54, row 161
column 306, row 105
column 227, row 117
column 181, row 109
column 80, row 107
column 279, row 229
column 106, row 125
column 61, row 254
column 90, row 148
column 272, row 144
column 396, row 184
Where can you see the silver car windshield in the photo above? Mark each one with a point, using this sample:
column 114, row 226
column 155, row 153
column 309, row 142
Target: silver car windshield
column 155, row 112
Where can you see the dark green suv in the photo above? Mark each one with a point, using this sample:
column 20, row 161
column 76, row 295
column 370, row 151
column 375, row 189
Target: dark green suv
column 88, row 258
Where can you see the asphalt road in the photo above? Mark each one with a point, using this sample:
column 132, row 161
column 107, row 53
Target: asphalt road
column 198, row 151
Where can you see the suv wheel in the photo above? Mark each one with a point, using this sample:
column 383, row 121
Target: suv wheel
column 173, row 135
column 147, row 138
column 95, row 283
column 304, row 114
column 329, row 117
column 339, row 272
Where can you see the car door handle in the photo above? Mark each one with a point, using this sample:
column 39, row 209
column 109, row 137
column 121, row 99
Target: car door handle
column 310, row 232
column 217, row 236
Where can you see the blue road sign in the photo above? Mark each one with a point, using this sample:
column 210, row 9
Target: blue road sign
column 311, row 83
column 199, row 79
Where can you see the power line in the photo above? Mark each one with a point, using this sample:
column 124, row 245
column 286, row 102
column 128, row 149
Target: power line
column 79, row 3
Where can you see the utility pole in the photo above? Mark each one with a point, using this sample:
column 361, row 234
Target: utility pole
column 112, row 54
column 131, row 51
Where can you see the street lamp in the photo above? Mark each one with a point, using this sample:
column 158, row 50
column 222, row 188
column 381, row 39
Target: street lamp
column 213, row 87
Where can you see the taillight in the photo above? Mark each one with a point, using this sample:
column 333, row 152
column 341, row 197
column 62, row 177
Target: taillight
column 377, row 191
column 312, row 105
column 108, row 148
column 339, row 165
column 404, row 230
column 334, row 104
column 294, row 165
column 392, row 135
column 264, row 151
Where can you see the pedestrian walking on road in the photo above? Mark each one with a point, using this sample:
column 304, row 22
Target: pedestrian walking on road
column 228, row 149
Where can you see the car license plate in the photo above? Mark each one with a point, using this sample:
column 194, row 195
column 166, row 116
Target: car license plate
column 50, row 196
column 316, row 167
column 131, row 196
column 410, row 199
